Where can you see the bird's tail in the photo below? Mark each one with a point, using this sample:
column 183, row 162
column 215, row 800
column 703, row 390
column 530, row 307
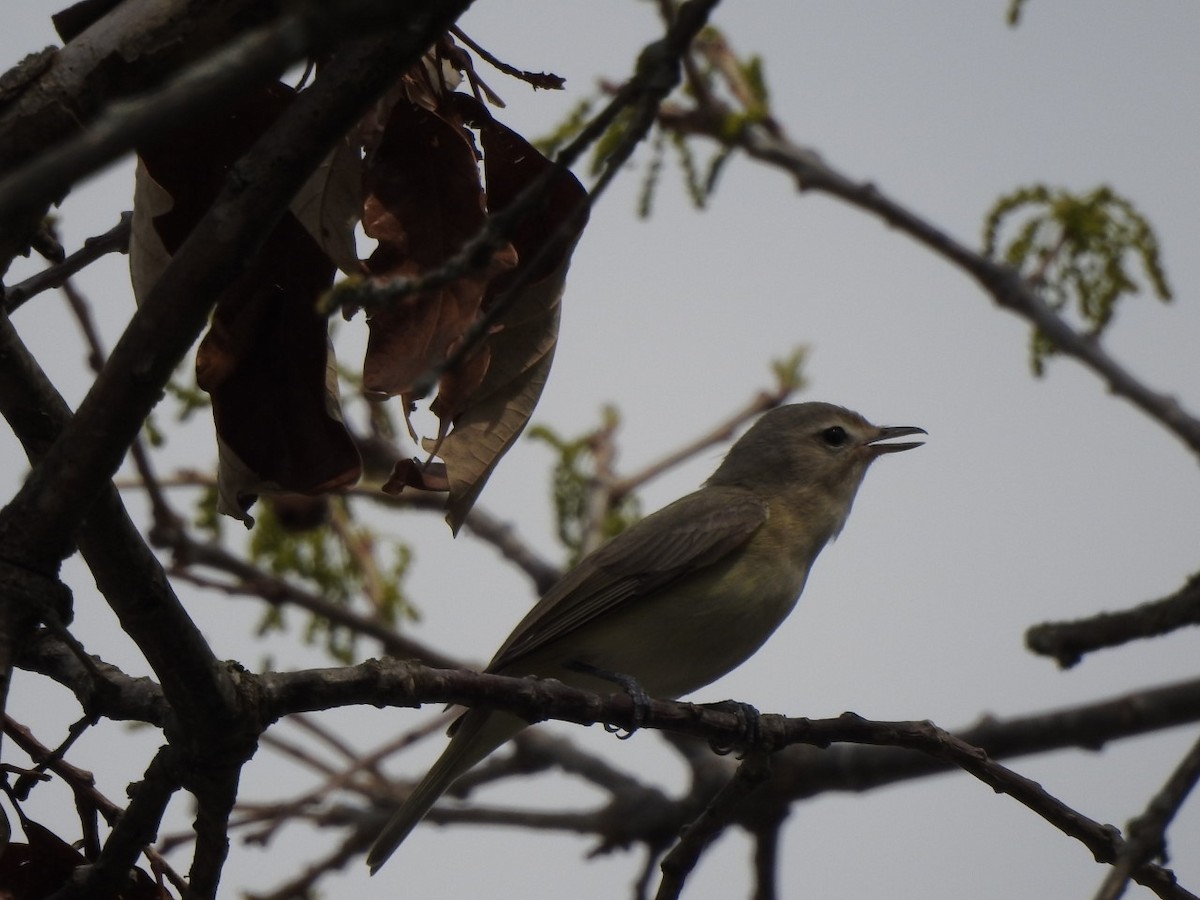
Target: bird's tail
column 476, row 734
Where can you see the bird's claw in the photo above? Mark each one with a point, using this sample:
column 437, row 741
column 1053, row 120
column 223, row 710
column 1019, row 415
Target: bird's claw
column 629, row 684
column 749, row 729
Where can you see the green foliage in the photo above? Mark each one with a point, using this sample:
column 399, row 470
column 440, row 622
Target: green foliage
column 789, row 370
column 575, row 480
column 567, row 129
column 1078, row 249
column 749, row 105
column 729, row 87
column 189, row 399
column 653, row 171
column 611, row 140
column 1015, row 8
column 338, row 559
column 208, row 520
column 755, row 74
column 154, row 434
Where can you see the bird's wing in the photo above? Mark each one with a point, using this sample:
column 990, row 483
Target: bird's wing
column 693, row 532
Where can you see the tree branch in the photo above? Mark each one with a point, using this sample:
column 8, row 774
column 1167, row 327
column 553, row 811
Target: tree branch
column 54, row 498
column 126, row 571
column 82, row 785
column 656, row 75
column 280, row 592
column 405, row 683
column 115, row 695
column 1003, row 283
column 502, row 535
column 721, row 433
column 115, row 240
column 133, row 832
column 1067, row 642
column 679, row 863
column 37, row 527
column 1146, row 833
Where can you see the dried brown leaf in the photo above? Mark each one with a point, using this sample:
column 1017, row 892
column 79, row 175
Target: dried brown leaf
column 148, row 255
column 423, row 201
column 488, row 419
column 330, row 204
column 501, row 407
column 269, row 367
column 429, row 476
column 266, row 359
column 459, row 385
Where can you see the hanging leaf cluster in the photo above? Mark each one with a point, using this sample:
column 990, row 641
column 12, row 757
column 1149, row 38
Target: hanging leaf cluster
column 1077, row 249
column 580, row 526
column 421, row 174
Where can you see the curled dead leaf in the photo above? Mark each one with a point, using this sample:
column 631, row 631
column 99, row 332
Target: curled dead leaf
column 428, row 476
column 487, row 419
column 424, row 200
column 329, row 205
column 266, row 359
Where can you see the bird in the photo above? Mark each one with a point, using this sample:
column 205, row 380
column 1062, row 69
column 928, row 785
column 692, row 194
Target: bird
column 686, row 594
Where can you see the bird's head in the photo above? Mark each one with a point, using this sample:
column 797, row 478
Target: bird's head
column 817, row 450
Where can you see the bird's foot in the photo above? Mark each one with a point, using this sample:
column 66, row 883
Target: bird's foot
column 749, row 720
column 629, row 684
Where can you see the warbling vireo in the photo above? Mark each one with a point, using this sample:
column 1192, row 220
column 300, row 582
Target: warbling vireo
column 686, row 594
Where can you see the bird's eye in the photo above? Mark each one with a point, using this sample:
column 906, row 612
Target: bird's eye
column 835, row 436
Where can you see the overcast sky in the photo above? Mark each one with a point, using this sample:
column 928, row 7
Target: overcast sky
column 1032, row 499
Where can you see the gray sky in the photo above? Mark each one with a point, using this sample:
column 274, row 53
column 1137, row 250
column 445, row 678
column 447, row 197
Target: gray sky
column 1032, row 499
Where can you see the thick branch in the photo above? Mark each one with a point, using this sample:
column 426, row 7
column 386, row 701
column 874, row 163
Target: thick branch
column 404, row 683
column 129, row 50
column 802, row 773
column 52, row 501
column 126, row 571
column 38, row 526
column 254, row 59
column 114, row 695
column 82, row 785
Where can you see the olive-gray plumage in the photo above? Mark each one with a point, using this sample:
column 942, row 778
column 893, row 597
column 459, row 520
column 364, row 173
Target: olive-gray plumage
column 688, row 593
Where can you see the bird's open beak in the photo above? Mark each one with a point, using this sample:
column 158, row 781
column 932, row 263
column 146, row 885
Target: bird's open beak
column 895, row 431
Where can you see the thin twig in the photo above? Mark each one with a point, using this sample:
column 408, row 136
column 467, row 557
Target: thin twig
column 361, row 549
column 720, row 433
column 325, row 735
column 132, row 832
column 253, row 581
column 544, row 80
column 1067, row 642
column 1003, row 283
column 165, row 517
column 679, row 863
column 1145, row 836
column 115, row 240
column 83, row 785
column 502, row 535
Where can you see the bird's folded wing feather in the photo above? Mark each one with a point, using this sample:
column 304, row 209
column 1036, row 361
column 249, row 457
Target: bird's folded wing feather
column 693, row 532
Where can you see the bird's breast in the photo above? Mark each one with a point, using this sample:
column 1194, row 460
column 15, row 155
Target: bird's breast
column 688, row 634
